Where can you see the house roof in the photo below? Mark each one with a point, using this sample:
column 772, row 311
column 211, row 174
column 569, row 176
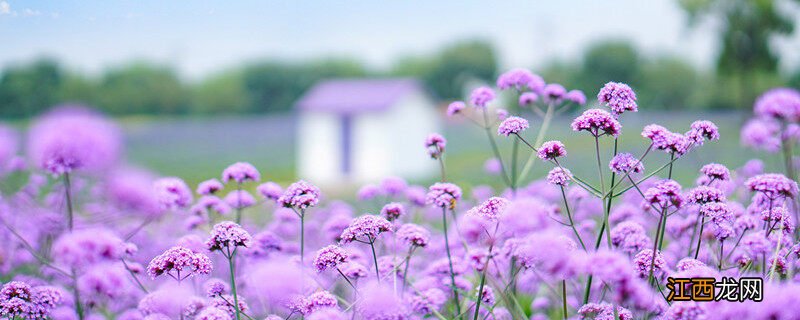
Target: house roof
column 357, row 95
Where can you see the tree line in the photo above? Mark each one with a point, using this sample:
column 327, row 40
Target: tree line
column 143, row 88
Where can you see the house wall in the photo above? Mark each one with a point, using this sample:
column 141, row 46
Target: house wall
column 392, row 142
column 318, row 147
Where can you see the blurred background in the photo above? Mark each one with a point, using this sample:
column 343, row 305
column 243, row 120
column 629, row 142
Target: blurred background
column 199, row 85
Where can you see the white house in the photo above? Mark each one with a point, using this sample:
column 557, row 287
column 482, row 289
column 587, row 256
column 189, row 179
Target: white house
column 363, row 130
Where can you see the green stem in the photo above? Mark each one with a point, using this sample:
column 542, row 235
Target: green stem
column 700, row 237
column 302, row 237
column 68, row 194
column 514, row 151
column 564, row 297
column 405, row 270
column 548, row 117
column 495, row 150
column 571, row 223
column 231, row 257
column 450, row 262
column 483, row 282
column 375, row 259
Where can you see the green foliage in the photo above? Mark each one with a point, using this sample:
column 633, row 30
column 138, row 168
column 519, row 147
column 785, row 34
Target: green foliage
column 27, row 90
column 448, row 72
column 142, row 88
column 609, row 60
column 748, row 27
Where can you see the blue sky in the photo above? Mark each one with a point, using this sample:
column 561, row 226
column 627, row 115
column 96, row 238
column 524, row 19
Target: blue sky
column 200, row 37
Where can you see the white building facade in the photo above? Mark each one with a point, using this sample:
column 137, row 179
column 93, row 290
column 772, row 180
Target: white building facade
column 363, row 130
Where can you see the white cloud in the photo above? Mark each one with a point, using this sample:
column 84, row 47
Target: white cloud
column 5, row 8
column 31, row 13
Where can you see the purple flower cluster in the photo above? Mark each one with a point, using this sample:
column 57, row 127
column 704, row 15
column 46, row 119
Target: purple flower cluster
column 365, row 228
column 227, row 235
column 551, row 150
column 490, row 209
column 619, row 97
column 773, row 185
column 512, row 125
column 435, row 144
column 559, row 176
column 597, row 122
column 665, row 193
column 624, row 163
column 443, row 195
column 481, row 97
column 330, row 257
column 240, row 172
column 300, row 195
column 20, row 300
column 179, row 263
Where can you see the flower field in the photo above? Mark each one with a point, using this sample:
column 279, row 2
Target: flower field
column 549, row 204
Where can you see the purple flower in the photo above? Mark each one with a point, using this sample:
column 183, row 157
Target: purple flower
column 20, row 300
column 665, row 193
column 716, row 171
column 365, row 228
column 512, row 125
column 211, row 203
column 624, row 162
column 368, row 192
column 215, row 288
column 619, row 97
column 353, row 270
column 779, row 103
column 576, row 96
column 172, row 193
column 320, row 300
column 270, row 190
column 443, row 195
column 559, row 176
column 380, row 303
column 330, row 257
column 603, row 311
column 209, row 187
column 685, row 310
column 629, row 236
column 455, row 107
column 9, row 144
column 551, row 150
column 227, row 235
column 435, row 144
column 300, row 195
column 705, row 194
column 428, row 301
column 761, row 134
column 179, row 263
column 502, row 114
column 773, row 185
column 413, row 235
column 643, row 261
column 718, row 212
column 240, row 172
column 87, row 246
column 392, row 211
column 663, row 139
column 702, row 130
column 239, row 199
column 393, row 186
column 213, row 313
column 73, row 137
column 519, row 79
column 597, row 122
column 493, row 166
column 481, row 96
column 490, row 209
column 554, row 93
column 528, row 98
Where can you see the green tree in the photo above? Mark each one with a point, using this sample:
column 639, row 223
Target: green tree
column 748, row 27
column 220, row 93
column 611, row 60
column 449, row 71
column 276, row 86
column 142, row 88
column 668, row 83
column 28, row 89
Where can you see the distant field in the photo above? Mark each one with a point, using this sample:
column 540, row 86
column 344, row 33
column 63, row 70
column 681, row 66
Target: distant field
column 196, row 149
